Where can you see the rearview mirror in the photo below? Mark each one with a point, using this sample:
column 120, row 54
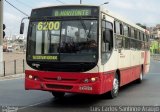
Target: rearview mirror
column 22, row 25
column 107, row 35
column 22, row 28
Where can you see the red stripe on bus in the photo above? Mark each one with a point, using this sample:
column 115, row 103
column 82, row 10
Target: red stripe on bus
column 71, row 82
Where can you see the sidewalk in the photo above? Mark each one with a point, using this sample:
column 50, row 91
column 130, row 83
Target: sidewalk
column 156, row 57
column 10, row 77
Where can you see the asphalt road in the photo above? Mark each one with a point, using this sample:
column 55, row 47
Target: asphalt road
column 147, row 93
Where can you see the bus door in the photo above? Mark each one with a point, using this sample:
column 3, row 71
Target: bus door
column 135, row 59
column 124, row 59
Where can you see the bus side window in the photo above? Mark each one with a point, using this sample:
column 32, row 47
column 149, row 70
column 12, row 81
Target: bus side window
column 129, row 32
column 126, row 34
column 125, row 30
column 117, row 28
column 135, row 34
column 119, row 31
column 132, row 33
column 141, row 36
column 107, row 40
column 107, row 30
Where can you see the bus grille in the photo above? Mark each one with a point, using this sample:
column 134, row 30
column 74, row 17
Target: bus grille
column 54, row 86
column 63, row 79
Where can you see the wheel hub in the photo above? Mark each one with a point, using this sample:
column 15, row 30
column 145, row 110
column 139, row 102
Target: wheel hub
column 115, row 85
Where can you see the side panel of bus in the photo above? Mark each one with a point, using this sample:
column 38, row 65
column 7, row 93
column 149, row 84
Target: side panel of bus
column 128, row 62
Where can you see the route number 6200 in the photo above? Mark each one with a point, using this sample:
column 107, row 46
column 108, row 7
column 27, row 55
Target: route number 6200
column 48, row 25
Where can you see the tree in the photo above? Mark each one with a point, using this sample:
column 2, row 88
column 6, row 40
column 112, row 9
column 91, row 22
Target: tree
column 143, row 26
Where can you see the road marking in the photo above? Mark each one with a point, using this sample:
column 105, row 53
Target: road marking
column 34, row 104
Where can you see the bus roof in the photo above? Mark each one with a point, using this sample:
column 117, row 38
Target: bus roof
column 65, row 5
column 122, row 19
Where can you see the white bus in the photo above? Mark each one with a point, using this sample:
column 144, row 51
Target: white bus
column 83, row 49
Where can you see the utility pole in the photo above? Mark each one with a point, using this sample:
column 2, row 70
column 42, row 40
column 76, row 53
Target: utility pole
column 1, row 37
column 80, row 1
column 1, row 22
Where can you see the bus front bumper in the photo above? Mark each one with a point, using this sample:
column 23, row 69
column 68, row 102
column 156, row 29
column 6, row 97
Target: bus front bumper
column 66, row 82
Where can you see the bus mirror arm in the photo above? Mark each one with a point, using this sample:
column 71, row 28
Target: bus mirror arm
column 22, row 25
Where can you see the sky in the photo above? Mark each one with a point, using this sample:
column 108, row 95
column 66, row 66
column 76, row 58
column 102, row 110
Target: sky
column 138, row 11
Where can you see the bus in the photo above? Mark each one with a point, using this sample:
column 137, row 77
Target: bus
column 83, row 49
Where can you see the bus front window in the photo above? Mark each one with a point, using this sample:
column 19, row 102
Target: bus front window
column 71, row 41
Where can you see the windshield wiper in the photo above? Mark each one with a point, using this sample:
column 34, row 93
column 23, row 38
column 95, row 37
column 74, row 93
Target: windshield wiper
column 90, row 30
column 84, row 26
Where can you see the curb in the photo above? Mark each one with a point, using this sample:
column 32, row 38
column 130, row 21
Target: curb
column 12, row 77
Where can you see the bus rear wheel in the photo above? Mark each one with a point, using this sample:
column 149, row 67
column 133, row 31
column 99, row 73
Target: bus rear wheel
column 140, row 79
column 58, row 94
column 114, row 92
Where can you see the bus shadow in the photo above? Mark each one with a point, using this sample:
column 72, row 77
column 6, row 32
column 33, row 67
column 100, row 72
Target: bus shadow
column 73, row 101
column 132, row 85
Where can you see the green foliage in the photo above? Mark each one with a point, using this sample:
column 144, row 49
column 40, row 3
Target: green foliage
column 143, row 26
column 154, row 47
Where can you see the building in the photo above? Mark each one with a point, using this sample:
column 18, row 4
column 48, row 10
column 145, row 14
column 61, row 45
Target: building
column 15, row 43
column 155, row 31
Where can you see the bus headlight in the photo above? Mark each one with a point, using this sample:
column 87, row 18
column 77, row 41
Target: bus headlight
column 30, row 77
column 88, row 80
column 33, row 77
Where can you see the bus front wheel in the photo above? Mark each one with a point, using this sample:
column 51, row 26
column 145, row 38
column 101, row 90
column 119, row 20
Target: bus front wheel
column 114, row 92
column 58, row 94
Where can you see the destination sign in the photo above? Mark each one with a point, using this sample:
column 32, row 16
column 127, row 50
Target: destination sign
column 72, row 12
column 65, row 11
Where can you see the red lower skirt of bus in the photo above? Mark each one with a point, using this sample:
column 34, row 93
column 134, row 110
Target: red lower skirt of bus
column 88, row 83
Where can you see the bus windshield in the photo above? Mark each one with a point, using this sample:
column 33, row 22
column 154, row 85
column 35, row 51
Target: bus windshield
column 64, row 41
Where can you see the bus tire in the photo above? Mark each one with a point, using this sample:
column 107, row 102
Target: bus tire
column 140, row 79
column 58, row 94
column 114, row 92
